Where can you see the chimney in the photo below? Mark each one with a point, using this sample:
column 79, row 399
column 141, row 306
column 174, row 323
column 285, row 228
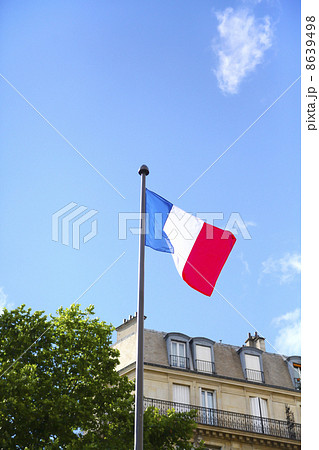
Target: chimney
column 256, row 341
column 129, row 326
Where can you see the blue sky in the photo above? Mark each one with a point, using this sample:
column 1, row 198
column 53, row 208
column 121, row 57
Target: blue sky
column 92, row 90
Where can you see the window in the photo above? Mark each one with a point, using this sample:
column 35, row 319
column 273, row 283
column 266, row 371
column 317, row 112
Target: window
column 294, row 367
column 297, row 375
column 253, row 371
column 204, row 359
column 258, row 407
column 178, row 350
column 208, row 401
column 252, row 363
column 178, row 354
column 181, row 395
column 297, row 368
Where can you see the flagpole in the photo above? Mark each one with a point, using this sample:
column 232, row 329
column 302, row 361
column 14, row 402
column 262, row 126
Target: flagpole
column 139, row 386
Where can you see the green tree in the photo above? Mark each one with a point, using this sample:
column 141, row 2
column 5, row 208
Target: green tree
column 170, row 432
column 59, row 387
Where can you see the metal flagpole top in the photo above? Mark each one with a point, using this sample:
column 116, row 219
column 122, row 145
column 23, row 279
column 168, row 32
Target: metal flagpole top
column 143, row 170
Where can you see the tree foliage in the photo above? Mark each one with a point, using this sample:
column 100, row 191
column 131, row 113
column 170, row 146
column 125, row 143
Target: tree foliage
column 59, row 387
column 171, row 431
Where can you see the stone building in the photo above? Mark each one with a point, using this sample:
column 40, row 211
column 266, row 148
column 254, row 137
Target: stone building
column 245, row 398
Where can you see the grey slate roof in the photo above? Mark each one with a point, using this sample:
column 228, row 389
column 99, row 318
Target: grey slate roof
column 226, row 358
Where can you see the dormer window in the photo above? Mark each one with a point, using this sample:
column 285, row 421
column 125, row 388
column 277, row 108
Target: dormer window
column 203, row 355
column 251, row 362
column 190, row 353
column 297, row 378
column 178, row 350
column 203, row 361
column 178, row 355
column 253, row 370
column 294, row 367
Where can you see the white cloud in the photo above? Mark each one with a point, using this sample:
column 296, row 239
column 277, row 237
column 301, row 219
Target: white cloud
column 3, row 300
column 288, row 339
column 286, row 268
column 243, row 40
column 245, row 263
column 291, row 316
column 252, row 1
column 251, row 224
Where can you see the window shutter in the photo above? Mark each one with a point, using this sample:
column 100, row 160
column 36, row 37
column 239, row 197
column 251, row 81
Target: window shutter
column 254, row 406
column 181, row 394
column 203, row 353
column 252, row 362
column 258, row 407
column 253, row 371
column 203, row 359
column 263, row 408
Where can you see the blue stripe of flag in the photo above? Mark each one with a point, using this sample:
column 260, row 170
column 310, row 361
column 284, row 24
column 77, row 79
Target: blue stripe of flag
column 157, row 209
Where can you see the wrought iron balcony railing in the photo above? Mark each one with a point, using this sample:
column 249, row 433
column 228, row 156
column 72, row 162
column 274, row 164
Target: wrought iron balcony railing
column 179, row 361
column 254, row 375
column 204, row 366
column 232, row 420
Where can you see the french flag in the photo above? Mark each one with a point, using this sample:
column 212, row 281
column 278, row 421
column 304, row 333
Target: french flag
column 199, row 250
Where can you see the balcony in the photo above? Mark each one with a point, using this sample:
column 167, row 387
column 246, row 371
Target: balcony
column 204, row 366
column 254, row 375
column 179, row 361
column 232, row 420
